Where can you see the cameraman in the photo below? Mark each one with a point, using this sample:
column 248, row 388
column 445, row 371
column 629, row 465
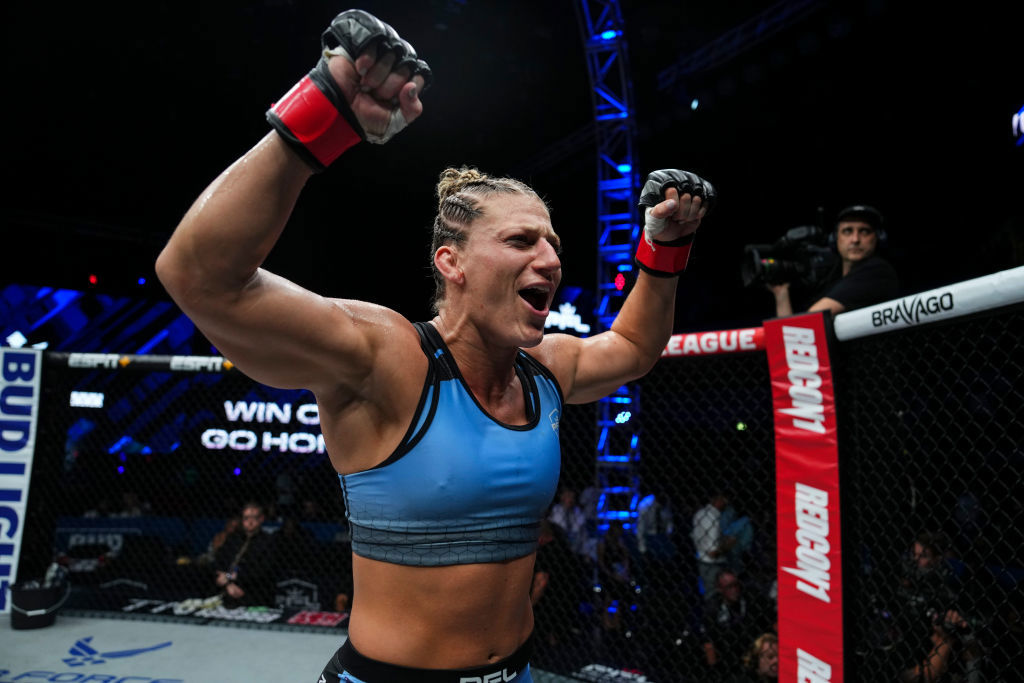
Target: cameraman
column 860, row 277
column 939, row 637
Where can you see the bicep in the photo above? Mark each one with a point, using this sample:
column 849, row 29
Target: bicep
column 283, row 335
column 591, row 368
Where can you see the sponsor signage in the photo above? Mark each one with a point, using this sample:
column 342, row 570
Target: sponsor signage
column 199, row 364
column 117, row 361
column 7, row 676
column 242, row 438
column 296, row 594
column 566, row 318
column 970, row 296
column 601, row 672
column 20, row 370
column 204, row 608
column 83, row 656
column 807, row 493
column 315, row 618
column 110, row 361
column 708, row 343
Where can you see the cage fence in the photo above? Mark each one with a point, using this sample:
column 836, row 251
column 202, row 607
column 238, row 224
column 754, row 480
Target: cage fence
column 140, row 473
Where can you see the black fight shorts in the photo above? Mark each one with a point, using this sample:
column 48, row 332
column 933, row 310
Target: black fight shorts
column 348, row 666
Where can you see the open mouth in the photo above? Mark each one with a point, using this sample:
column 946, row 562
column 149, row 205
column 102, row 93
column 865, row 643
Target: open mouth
column 536, row 297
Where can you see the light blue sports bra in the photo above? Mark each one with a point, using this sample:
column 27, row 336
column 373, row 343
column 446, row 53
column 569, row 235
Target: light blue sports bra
column 461, row 488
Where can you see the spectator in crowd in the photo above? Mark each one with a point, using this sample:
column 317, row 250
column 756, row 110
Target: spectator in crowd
column 740, row 529
column 286, row 487
column 132, row 505
column 272, row 514
column 732, row 620
column 939, row 638
column 589, row 498
column 924, row 631
column 969, row 519
column 556, row 589
column 103, row 508
column 231, row 525
column 654, row 525
column 568, row 516
column 711, row 545
column 243, row 564
column 860, row 277
column 761, row 661
column 944, row 649
column 293, row 551
column 615, row 575
column 311, row 511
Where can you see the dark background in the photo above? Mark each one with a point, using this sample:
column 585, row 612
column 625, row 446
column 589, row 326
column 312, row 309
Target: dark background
column 119, row 115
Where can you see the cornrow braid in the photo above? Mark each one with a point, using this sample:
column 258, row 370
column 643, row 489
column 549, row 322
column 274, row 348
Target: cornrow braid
column 459, row 193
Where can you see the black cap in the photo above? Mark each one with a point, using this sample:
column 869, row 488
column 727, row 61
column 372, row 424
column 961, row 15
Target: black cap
column 863, row 212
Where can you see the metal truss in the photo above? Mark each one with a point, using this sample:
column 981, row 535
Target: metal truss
column 618, row 185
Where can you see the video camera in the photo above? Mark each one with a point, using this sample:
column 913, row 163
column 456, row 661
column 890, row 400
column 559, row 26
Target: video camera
column 799, row 257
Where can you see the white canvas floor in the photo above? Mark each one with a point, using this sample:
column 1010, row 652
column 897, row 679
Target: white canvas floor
column 101, row 650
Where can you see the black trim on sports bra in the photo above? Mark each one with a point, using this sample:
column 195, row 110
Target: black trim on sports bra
column 432, row 381
column 531, row 394
column 542, row 369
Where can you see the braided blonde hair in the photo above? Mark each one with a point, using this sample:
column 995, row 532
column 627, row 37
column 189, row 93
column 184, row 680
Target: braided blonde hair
column 459, row 195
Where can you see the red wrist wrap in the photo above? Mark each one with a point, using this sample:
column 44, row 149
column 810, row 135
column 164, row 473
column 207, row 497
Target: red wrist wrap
column 315, row 122
column 664, row 259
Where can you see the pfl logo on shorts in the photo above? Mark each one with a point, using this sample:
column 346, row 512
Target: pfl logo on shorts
column 497, row 677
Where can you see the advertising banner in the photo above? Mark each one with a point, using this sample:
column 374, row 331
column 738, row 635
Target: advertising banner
column 807, row 494
column 20, row 370
column 713, row 343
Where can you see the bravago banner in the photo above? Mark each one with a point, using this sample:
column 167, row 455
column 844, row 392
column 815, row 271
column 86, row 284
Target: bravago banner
column 807, row 496
column 20, row 370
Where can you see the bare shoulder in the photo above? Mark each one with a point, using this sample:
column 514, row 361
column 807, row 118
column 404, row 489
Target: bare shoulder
column 364, row 412
column 388, row 352
column 559, row 353
column 374, row 316
column 388, row 336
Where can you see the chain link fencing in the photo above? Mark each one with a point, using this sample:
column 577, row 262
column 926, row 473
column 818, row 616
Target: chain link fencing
column 649, row 608
column 139, row 472
column 932, row 457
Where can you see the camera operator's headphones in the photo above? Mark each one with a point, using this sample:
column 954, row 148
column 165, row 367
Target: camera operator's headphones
column 861, row 212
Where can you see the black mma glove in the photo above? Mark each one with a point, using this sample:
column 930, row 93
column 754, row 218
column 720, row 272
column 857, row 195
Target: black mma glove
column 314, row 116
column 668, row 259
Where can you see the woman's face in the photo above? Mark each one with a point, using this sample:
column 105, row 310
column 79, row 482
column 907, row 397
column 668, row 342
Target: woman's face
column 768, row 660
column 511, row 268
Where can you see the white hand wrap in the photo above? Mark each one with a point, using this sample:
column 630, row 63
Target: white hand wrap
column 397, row 122
column 395, row 125
column 653, row 226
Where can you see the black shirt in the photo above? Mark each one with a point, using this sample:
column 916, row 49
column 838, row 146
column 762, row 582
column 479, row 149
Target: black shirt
column 252, row 564
column 871, row 281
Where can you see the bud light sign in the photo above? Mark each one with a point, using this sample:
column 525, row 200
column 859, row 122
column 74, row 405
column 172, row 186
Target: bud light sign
column 19, row 406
